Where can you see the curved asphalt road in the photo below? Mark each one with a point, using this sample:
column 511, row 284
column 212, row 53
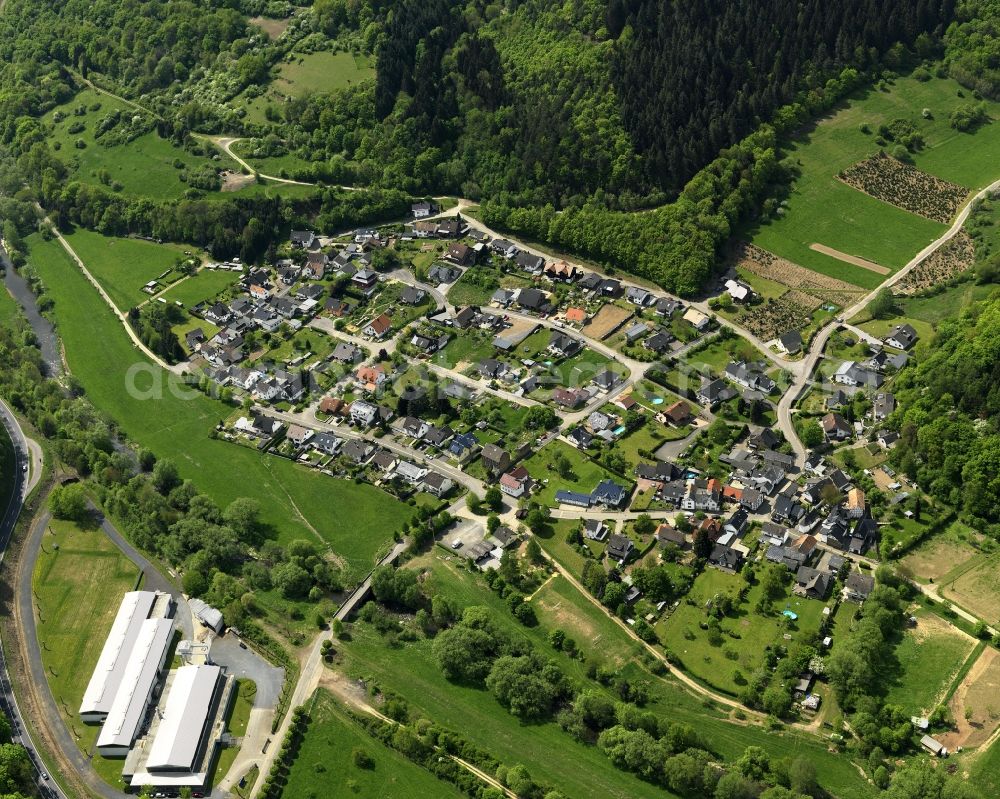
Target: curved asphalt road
column 22, row 487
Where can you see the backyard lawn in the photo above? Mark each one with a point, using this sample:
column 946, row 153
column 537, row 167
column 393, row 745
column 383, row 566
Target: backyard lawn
column 78, row 588
column 204, row 285
column 584, row 474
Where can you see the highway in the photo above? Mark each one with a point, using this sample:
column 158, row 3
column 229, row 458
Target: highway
column 26, row 475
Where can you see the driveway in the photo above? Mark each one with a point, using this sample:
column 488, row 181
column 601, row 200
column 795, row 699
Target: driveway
column 245, row 663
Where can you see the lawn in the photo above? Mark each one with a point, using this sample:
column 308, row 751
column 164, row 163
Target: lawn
column 821, row 209
column 583, row 477
column 204, row 285
column 78, row 588
column 928, row 657
column 8, row 305
column 311, row 72
column 146, row 166
column 325, row 763
column 977, row 590
column 175, row 424
column 467, row 347
column 124, row 266
column 985, row 771
column 739, row 652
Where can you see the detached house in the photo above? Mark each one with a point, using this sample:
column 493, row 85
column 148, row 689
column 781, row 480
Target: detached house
column 515, row 482
column 902, row 337
column 461, row 254
column 619, row 547
column 836, row 427
column 378, row 327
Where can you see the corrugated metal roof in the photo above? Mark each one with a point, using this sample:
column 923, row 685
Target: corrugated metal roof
column 176, row 743
column 107, row 676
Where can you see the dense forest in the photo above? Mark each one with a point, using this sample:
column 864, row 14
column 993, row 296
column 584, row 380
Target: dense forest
column 950, row 426
column 696, row 77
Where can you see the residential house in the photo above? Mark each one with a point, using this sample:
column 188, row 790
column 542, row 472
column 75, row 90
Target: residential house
column 838, row 399
column 726, row 558
column 425, row 229
column 298, row 435
column 858, row 586
column 590, row 281
column 639, row 296
column 767, row 478
column 595, row 529
column 385, row 461
column 316, row 265
column 364, row 235
column 788, row 557
column 423, row 209
column 451, row 227
column 697, row 319
column 378, row 327
column 790, row 343
column 503, row 297
column 568, row 397
column 619, row 547
column 782, row 460
column 886, row 438
column 505, row 536
column 337, row 307
column 437, row 484
column 605, row 380
column 836, row 427
column 491, row 368
column 358, row 450
column 503, row 248
column 533, row 300
column 667, row 307
column 412, row 296
column 609, row 494
column 902, row 337
column 194, row 339
column 883, row 406
column 636, row 332
column 678, row 414
column 464, row 317
column 855, row 505
column 515, row 482
column 365, row 280
column 332, row 406
column 345, row 352
column 598, row 421
column 611, row 288
column 495, row 459
column 410, row 472
column 737, row 523
column 363, row 413
column 575, row 498
column 461, row 254
column 533, row 264
column 849, row 373
column 326, row 443
column 371, row 377
column 811, row 583
column 441, row 273
column 750, row 376
column 563, row 346
column 668, row 535
column 740, row 292
column 786, row 509
column 659, row 342
column 581, row 437
column 438, row 436
column 303, row 239
column 626, row 402
column 751, row 499
column 414, row 427
column 462, row 445
column 705, row 495
column 561, row 271
column 218, row 314
column 264, row 425
column 714, row 392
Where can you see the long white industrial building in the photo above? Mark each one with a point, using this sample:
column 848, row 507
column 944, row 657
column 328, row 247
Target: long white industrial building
column 107, row 676
column 183, row 728
column 141, row 675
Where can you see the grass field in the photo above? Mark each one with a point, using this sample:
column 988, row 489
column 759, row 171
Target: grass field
column 296, row 502
column 977, row 590
column 549, row 754
column 310, row 72
column 823, row 210
column 584, row 477
column 144, row 167
column 929, row 655
column 124, row 266
column 325, row 766
column 237, row 719
column 8, row 305
column 202, row 286
column 78, row 589
column 949, row 552
column 985, row 771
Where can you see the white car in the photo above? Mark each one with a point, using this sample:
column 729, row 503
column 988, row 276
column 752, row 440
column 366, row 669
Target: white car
column 456, row 544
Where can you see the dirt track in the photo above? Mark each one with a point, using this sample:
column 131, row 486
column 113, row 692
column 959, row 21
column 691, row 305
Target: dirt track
column 871, row 266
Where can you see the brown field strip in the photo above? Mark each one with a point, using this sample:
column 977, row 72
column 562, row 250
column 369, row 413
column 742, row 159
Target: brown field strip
column 871, row 266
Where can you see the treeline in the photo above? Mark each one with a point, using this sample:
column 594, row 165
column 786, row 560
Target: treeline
column 697, row 77
column 949, row 417
column 972, row 47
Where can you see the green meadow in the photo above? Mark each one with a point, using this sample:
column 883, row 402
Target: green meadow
column 822, row 209
column 356, row 520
